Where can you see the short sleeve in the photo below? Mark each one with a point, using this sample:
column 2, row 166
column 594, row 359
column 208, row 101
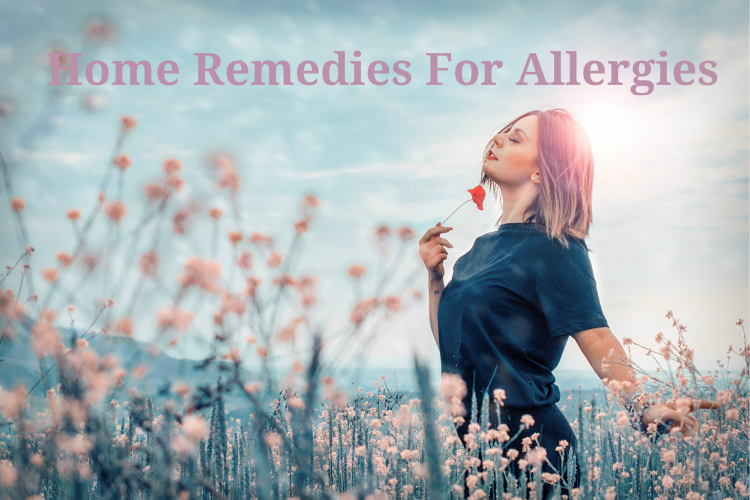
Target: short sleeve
column 566, row 289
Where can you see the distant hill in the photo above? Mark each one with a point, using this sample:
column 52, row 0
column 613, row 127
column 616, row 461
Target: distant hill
column 20, row 365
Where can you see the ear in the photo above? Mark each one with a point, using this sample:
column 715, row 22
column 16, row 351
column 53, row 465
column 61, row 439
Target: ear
column 535, row 177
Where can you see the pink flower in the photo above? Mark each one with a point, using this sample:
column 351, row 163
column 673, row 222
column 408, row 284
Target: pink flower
column 454, row 390
column 231, row 303
column 12, row 403
column 128, row 123
column 622, row 418
column 310, row 200
column 122, row 162
column 499, row 395
column 235, row 237
column 74, row 214
column 274, row 260
column 171, row 165
column 724, row 397
column 8, row 474
column 308, row 300
column 260, row 238
column 155, row 191
column 297, row 403
column 667, row 482
column 665, row 350
column 356, row 271
column 273, row 439
column 45, row 339
column 362, row 309
column 286, row 280
column 202, row 274
column 116, row 210
column 195, row 427
column 252, row 286
column 228, row 177
column 78, row 444
column 406, row 233
column 301, row 226
column 64, row 258
column 307, row 283
column 215, row 213
column 10, row 308
column 49, row 274
column 125, row 326
column 404, row 416
column 527, row 420
column 98, row 29
column 17, row 204
column 175, row 182
column 393, row 303
column 149, row 263
column 382, row 232
column 245, row 261
column 253, row 387
column 139, row 371
column 537, row 455
column 175, row 318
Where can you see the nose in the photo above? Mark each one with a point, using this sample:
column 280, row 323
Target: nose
column 498, row 140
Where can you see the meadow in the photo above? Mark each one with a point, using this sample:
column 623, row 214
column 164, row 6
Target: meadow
column 85, row 428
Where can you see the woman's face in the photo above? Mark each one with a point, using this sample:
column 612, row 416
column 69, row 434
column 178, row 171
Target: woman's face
column 511, row 159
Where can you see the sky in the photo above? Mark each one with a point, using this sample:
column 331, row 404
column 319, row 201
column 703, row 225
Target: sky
column 670, row 199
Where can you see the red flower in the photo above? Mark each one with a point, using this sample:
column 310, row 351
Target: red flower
column 477, row 196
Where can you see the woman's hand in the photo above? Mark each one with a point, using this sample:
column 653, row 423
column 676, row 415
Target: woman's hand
column 432, row 250
column 676, row 419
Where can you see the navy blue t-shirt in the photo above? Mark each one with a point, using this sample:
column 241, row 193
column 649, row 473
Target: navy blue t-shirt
column 512, row 302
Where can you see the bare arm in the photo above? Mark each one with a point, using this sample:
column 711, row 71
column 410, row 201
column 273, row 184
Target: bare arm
column 609, row 360
column 433, row 252
column 435, row 287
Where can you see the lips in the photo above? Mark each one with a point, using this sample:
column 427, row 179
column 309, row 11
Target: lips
column 491, row 156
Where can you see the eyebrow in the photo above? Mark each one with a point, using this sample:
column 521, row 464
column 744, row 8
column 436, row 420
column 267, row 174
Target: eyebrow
column 521, row 130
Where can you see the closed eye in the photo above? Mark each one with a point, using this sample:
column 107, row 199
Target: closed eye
column 514, row 140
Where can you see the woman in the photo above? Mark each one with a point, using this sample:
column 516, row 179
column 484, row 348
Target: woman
column 505, row 317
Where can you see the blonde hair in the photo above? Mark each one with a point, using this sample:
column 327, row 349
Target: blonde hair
column 566, row 171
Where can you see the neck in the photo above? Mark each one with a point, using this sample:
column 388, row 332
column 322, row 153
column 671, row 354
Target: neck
column 516, row 200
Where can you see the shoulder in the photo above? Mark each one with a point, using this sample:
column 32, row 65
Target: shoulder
column 554, row 258
column 553, row 247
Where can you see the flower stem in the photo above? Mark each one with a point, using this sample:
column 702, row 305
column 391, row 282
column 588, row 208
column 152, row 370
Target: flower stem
column 456, row 210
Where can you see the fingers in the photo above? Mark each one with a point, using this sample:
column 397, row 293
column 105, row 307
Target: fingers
column 439, row 254
column 709, row 405
column 685, row 423
column 442, row 241
column 433, row 231
column 435, row 263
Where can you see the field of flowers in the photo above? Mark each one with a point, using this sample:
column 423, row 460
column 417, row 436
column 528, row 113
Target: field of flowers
column 84, row 430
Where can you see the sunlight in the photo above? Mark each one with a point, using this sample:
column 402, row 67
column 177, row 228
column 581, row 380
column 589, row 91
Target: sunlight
column 609, row 126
